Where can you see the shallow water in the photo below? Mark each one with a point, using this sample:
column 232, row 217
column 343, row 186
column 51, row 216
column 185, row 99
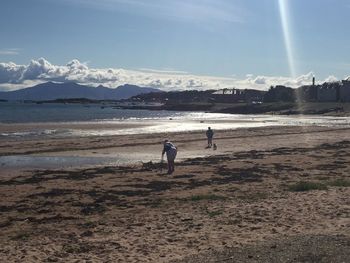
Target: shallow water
column 46, row 162
column 177, row 123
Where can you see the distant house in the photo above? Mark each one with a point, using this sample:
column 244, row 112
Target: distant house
column 328, row 92
column 344, row 91
column 280, row 93
column 237, row 95
column 254, row 96
column 228, row 96
column 307, row 93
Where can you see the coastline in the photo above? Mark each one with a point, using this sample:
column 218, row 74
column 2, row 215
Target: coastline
column 229, row 199
column 275, row 108
column 127, row 149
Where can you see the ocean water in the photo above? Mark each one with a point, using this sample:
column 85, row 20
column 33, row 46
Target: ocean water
column 17, row 112
column 104, row 120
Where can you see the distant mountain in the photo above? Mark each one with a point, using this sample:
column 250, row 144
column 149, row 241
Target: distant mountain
column 52, row 91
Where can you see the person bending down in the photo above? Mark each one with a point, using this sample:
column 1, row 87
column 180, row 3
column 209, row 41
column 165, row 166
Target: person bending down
column 171, row 151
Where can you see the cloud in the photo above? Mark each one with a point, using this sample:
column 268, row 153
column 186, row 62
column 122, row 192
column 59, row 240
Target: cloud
column 331, row 79
column 9, row 51
column 168, row 71
column 11, row 73
column 194, row 11
column 13, row 76
column 258, row 82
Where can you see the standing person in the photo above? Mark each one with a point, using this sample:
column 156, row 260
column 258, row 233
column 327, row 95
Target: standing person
column 171, row 151
column 210, row 135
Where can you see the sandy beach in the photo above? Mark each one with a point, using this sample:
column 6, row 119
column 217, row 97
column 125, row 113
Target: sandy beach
column 107, row 111
column 270, row 194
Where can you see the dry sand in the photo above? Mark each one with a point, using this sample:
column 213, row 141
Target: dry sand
column 235, row 199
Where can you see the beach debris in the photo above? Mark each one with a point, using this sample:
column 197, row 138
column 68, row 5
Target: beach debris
column 153, row 166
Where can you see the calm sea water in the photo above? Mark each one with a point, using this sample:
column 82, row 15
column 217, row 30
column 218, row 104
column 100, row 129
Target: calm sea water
column 16, row 112
column 142, row 121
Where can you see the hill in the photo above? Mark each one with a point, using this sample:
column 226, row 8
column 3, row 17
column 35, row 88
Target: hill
column 52, row 91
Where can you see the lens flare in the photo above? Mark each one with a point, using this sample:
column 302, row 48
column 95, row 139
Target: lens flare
column 287, row 34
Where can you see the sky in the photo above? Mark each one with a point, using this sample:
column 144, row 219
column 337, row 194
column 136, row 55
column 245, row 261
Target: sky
column 174, row 44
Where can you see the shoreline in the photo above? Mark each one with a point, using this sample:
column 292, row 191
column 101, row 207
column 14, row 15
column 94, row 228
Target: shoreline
column 125, row 149
column 193, row 122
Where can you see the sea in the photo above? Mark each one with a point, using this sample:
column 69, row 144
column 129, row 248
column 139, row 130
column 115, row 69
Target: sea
column 138, row 121
column 29, row 112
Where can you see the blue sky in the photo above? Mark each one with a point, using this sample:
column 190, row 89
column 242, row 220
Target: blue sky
column 238, row 40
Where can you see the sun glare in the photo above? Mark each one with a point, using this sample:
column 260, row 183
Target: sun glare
column 287, row 35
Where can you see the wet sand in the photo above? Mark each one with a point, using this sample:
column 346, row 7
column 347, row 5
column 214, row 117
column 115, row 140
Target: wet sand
column 140, row 148
column 238, row 198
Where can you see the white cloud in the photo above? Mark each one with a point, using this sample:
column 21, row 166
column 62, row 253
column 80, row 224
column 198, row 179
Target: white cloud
column 168, row 71
column 9, row 51
column 24, row 84
column 331, row 79
column 10, row 72
column 264, row 82
column 194, row 11
column 13, row 76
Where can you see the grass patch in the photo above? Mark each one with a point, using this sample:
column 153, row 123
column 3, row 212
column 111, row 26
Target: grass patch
column 90, row 224
column 196, row 198
column 22, row 236
column 93, row 209
column 76, row 248
column 340, row 183
column 322, row 178
column 156, row 203
column 253, row 196
column 306, row 186
column 214, row 213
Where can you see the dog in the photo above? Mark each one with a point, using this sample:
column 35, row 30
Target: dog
column 215, row 146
